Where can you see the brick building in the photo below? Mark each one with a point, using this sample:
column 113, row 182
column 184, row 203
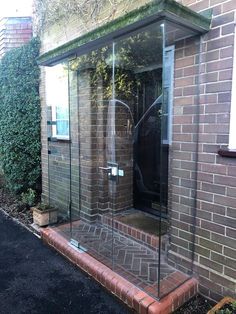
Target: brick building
column 14, row 32
column 138, row 140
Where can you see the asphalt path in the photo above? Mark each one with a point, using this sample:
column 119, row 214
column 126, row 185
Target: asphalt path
column 36, row 279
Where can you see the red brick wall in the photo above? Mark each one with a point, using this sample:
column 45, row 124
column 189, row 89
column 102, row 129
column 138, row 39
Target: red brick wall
column 14, row 32
column 215, row 241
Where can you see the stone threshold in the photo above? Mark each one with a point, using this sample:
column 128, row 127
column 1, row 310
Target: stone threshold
column 133, row 297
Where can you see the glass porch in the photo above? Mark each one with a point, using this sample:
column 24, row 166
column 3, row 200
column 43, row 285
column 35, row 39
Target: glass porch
column 114, row 138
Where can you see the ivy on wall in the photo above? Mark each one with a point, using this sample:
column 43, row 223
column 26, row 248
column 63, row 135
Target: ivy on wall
column 20, row 117
column 49, row 12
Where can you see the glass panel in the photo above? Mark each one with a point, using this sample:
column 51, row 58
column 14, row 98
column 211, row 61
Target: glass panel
column 93, row 74
column 139, row 69
column 74, row 145
column 57, row 103
column 138, row 107
column 180, row 123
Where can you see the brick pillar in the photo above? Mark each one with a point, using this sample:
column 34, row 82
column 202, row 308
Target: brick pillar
column 95, row 150
column 88, row 144
column 123, row 146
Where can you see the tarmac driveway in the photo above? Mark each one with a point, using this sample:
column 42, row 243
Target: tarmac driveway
column 36, row 279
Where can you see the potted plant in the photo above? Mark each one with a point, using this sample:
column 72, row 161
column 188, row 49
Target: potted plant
column 226, row 306
column 44, row 214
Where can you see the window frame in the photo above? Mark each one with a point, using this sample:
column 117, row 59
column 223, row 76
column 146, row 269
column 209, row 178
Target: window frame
column 54, row 105
column 231, row 150
column 54, row 126
column 232, row 128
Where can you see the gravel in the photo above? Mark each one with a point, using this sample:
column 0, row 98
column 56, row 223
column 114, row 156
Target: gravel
column 197, row 305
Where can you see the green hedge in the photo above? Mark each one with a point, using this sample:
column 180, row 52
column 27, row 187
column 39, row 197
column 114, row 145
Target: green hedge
column 20, row 117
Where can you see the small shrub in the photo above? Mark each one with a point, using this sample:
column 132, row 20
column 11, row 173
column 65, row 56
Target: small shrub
column 29, row 197
column 234, row 305
column 228, row 308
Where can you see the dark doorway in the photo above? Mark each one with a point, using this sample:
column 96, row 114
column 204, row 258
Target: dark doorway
column 150, row 179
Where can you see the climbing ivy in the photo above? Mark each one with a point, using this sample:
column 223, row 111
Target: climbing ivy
column 20, row 117
column 49, row 12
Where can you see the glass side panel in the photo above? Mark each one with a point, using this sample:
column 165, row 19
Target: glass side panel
column 75, row 200
column 180, row 120
column 57, row 108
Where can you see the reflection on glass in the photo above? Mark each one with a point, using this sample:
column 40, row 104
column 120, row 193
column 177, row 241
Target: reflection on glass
column 57, row 99
column 62, row 121
column 138, row 82
column 59, row 155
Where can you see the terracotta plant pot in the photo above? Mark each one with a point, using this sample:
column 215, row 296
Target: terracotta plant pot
column 218, row 306
column 44, row 217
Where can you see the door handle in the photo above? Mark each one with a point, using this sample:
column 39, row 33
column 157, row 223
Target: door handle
column 112, row 170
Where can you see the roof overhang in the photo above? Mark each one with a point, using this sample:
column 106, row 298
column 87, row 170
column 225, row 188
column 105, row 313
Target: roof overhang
column 153, row 12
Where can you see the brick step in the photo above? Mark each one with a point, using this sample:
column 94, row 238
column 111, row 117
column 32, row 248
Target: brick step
column 136, row 234
column 138, row 300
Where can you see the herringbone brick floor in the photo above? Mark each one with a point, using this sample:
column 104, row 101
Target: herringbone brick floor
column 134, row 261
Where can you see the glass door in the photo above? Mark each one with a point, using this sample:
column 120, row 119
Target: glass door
column 138, row 79
column 138, row 84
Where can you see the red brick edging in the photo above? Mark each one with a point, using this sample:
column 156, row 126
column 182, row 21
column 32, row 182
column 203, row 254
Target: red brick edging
column 135, row 298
